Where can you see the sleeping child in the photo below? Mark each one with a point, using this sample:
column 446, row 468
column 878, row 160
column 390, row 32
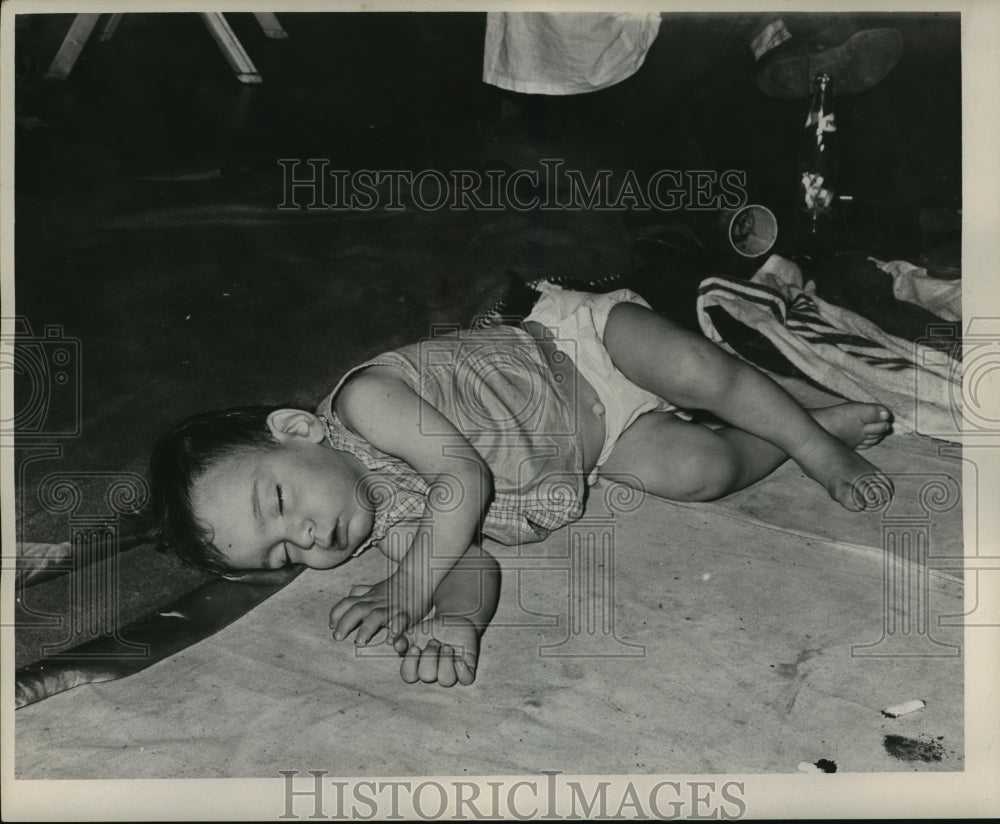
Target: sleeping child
column 495, row 433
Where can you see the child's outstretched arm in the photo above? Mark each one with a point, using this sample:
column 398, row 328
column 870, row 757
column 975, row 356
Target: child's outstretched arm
column 388, row 414
column 445, row 648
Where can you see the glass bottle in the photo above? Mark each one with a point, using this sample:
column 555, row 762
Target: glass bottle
column 818, row 160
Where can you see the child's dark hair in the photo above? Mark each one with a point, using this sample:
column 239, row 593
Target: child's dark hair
column 185, row 454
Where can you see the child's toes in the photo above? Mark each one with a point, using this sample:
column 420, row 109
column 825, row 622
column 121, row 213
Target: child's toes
column 874, row 414
column 870, row 492
column 875, row 432
column 847, row 495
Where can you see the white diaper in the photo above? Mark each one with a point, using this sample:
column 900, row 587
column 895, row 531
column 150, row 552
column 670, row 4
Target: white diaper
column 577, row 319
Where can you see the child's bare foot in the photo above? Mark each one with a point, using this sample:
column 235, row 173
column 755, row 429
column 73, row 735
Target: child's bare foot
column 856, row 425
column 849, row 479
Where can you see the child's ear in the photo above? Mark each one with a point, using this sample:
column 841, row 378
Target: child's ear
column 288, row 424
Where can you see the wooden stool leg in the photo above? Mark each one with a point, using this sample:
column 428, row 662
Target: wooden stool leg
column 269, row 23
column 76, row 38
column 108, row 29
column 231, row 47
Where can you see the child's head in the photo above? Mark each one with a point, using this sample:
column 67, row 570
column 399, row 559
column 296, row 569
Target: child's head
column 257, row 487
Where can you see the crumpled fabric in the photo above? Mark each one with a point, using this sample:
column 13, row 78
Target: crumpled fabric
column 37, row 562
column 565, row 53
column 840, row 350
column 913, row 284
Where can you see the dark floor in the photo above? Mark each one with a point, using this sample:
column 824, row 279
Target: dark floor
column 148, row 230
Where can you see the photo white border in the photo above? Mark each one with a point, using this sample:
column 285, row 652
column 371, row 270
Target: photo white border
column 972, row 793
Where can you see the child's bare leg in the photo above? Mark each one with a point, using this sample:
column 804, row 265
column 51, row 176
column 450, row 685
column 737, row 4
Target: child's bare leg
column 682, row 461
column 692, row 372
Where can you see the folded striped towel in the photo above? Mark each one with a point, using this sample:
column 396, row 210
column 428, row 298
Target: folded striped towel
column 921, row 382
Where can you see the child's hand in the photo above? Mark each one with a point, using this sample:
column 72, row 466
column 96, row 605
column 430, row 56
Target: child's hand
column 367, row 609
column 443, row 649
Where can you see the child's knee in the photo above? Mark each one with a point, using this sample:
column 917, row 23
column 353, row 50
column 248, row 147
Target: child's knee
column 708, row 469
column 709, row 473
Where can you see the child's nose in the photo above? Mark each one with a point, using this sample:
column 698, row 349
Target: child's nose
column 307, row 534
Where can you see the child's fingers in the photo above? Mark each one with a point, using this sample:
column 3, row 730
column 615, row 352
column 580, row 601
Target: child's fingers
column 374, row 621
column 370, row 626
column 465, row 669
column 342, row 628
column 408, row 669
column 398, row 624
column 427, row 667
column 401, row 644
column 356, row 595
column 439, row 663
column 351, row 619
column 340, row 609
column 336, row 611
column 446, row 675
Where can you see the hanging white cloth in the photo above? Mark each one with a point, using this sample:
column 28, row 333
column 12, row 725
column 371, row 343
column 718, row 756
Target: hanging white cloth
column 565, row 53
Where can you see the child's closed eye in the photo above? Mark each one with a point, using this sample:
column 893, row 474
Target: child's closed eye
column 281, row 500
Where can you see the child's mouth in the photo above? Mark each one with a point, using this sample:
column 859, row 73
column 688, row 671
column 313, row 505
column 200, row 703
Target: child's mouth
column 339, row 537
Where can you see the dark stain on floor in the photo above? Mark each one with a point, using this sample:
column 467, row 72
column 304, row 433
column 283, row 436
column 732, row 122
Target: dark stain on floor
column 912, row 749
column 792, row 670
